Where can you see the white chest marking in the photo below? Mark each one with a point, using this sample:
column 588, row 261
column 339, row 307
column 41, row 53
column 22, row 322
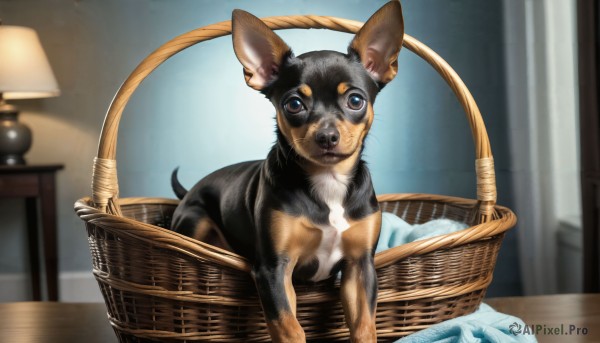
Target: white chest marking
column 332, row 189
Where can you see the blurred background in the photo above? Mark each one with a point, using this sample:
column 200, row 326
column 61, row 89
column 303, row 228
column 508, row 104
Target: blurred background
column 518, row 58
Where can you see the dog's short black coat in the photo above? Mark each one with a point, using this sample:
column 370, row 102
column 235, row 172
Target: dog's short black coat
column 309, row 209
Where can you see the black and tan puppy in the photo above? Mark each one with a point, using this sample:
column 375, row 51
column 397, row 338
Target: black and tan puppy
column 309, row 209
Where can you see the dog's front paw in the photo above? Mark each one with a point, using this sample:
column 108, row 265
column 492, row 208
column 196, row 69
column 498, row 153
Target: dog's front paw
column 286, row 329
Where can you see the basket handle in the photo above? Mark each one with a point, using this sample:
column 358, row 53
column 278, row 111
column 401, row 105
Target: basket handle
column 105, row 184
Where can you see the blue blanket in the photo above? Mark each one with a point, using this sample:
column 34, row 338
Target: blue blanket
column 395, row 231
column 484, row 325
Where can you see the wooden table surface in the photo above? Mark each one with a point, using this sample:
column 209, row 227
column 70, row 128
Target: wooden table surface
column 51, row 322
column 552, row 311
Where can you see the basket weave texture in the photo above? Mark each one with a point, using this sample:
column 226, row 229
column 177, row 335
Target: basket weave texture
column 162, row 286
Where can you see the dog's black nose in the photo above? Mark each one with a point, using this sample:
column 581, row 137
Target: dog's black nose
column 327, row 137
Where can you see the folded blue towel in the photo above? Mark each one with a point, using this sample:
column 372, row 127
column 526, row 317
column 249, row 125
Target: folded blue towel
column 395, row 231
column 484, row 325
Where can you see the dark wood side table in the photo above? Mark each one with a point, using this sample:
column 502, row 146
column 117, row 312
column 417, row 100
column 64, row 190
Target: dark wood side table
column 36, row 183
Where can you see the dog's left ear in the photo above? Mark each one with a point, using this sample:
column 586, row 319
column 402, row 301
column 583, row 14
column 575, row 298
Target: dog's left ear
column 258, row 49
column 379, row 41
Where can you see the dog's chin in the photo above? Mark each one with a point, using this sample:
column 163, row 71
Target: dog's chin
column 329, row 157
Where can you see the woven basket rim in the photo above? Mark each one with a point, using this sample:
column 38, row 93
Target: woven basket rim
column 171, row 240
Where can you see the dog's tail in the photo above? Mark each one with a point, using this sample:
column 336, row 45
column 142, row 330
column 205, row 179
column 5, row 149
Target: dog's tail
column 178, row 189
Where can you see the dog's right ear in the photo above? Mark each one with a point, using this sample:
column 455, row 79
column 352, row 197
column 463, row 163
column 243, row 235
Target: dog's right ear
column 258, row 48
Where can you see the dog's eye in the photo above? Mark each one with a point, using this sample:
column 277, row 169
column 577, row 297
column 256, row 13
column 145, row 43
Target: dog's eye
column 356, row 102
column 293, row 105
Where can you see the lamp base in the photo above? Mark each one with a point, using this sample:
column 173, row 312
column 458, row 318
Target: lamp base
column 15, row 137
column 12, row 160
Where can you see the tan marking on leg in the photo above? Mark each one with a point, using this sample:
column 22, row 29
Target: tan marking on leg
column 349, row 294
column 357, row 241
column 289, row 287
column 286, row 329
column 305, row 90
column 298, row 239
column 356, row 307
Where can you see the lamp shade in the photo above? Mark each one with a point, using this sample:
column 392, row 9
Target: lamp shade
column 24, row 69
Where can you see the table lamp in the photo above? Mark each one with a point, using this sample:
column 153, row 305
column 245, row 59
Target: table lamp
column 24, row 74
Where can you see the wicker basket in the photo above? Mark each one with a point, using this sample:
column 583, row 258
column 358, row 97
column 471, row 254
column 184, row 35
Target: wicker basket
column 162, row 286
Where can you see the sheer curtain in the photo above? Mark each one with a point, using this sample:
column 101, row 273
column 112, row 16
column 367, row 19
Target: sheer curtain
column 540, row 38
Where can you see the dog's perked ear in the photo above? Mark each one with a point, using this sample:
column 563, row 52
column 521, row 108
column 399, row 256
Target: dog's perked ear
column 258, row 48
column 379, row 41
